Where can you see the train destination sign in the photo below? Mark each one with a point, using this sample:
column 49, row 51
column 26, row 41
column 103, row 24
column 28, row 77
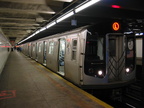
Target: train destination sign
column 116, row 26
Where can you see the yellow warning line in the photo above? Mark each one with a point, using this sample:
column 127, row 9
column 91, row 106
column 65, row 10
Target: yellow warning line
column 80, row 90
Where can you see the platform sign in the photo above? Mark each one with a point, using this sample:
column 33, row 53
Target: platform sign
column 115, row 26
column 7, row 94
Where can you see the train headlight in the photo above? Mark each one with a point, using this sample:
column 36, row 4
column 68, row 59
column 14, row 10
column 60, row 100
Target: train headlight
column 100, row 72
column 127, row 70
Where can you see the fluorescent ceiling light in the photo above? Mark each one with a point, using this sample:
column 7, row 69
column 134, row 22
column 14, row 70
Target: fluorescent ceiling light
column 31, row 35
column 65, row 16
column 85, row 5
column 37, row 31
column 82, row 6
column 42, row 29
column 64, row 0
column 139, row 34
column 26, row 38
column 51, row 24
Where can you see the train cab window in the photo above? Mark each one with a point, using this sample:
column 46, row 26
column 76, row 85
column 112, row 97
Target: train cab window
column 74, row 49
column 94, row 55
column 94, row 49
column 51, row 48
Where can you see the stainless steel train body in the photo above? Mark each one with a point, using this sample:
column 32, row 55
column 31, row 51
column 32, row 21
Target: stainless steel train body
column 4, row 50
column 88, row 58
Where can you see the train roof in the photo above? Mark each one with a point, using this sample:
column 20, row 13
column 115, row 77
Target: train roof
column 80, row 29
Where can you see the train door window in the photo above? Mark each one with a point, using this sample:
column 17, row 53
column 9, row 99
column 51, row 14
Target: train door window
column 62, row 46
column 28, row 49
column 36, row 51
column 116, row 56
column 112, row 47
column 74, row 49
column 51, row 47
column 94, row 48
column 44, row 52
column 40, row 47
column 33, row 47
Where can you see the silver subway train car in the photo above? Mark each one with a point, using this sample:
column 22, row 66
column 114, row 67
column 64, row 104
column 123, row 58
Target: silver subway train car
column 90, row 56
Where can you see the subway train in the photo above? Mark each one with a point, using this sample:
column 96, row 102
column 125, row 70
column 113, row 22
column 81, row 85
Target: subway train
column 91, row 57
column 4, row 50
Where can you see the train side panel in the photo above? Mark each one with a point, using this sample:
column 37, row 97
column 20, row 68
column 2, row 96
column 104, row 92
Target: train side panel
column 72, row 67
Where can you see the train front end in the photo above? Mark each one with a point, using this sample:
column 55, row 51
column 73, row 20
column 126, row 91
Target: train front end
column 109, row 60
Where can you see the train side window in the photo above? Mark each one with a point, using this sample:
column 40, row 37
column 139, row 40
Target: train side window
column 74, row 49
column 51, row 47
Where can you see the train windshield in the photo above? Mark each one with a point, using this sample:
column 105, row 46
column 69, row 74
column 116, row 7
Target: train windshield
column 94, row 48
column 94, row 56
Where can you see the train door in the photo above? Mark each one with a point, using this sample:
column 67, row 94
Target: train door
column 33, row 50
column 29, row 49
column 116, row 53
column 61, row 55
column 36, row 52
column 44, row 52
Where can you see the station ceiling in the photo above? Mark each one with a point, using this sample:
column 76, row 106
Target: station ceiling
column 21, row 18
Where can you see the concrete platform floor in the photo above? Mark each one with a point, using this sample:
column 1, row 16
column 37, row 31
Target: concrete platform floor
column 26, row 84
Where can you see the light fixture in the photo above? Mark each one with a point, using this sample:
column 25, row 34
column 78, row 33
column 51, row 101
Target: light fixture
column 50, row 24
column 115, row 6
column 85, row 5
column 42, row 29
column 26, row 38
column 100, row 72
column 127, row 70
column 77, row 9
column 64, row 0
column 31, row 35
column 68, row 14
column 139, row 34
column 37, row 31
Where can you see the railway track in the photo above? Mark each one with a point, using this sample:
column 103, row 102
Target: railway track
column 132, row 95
column 129, row 97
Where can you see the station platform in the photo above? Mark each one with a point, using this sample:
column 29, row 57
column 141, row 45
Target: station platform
column 25, row 83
